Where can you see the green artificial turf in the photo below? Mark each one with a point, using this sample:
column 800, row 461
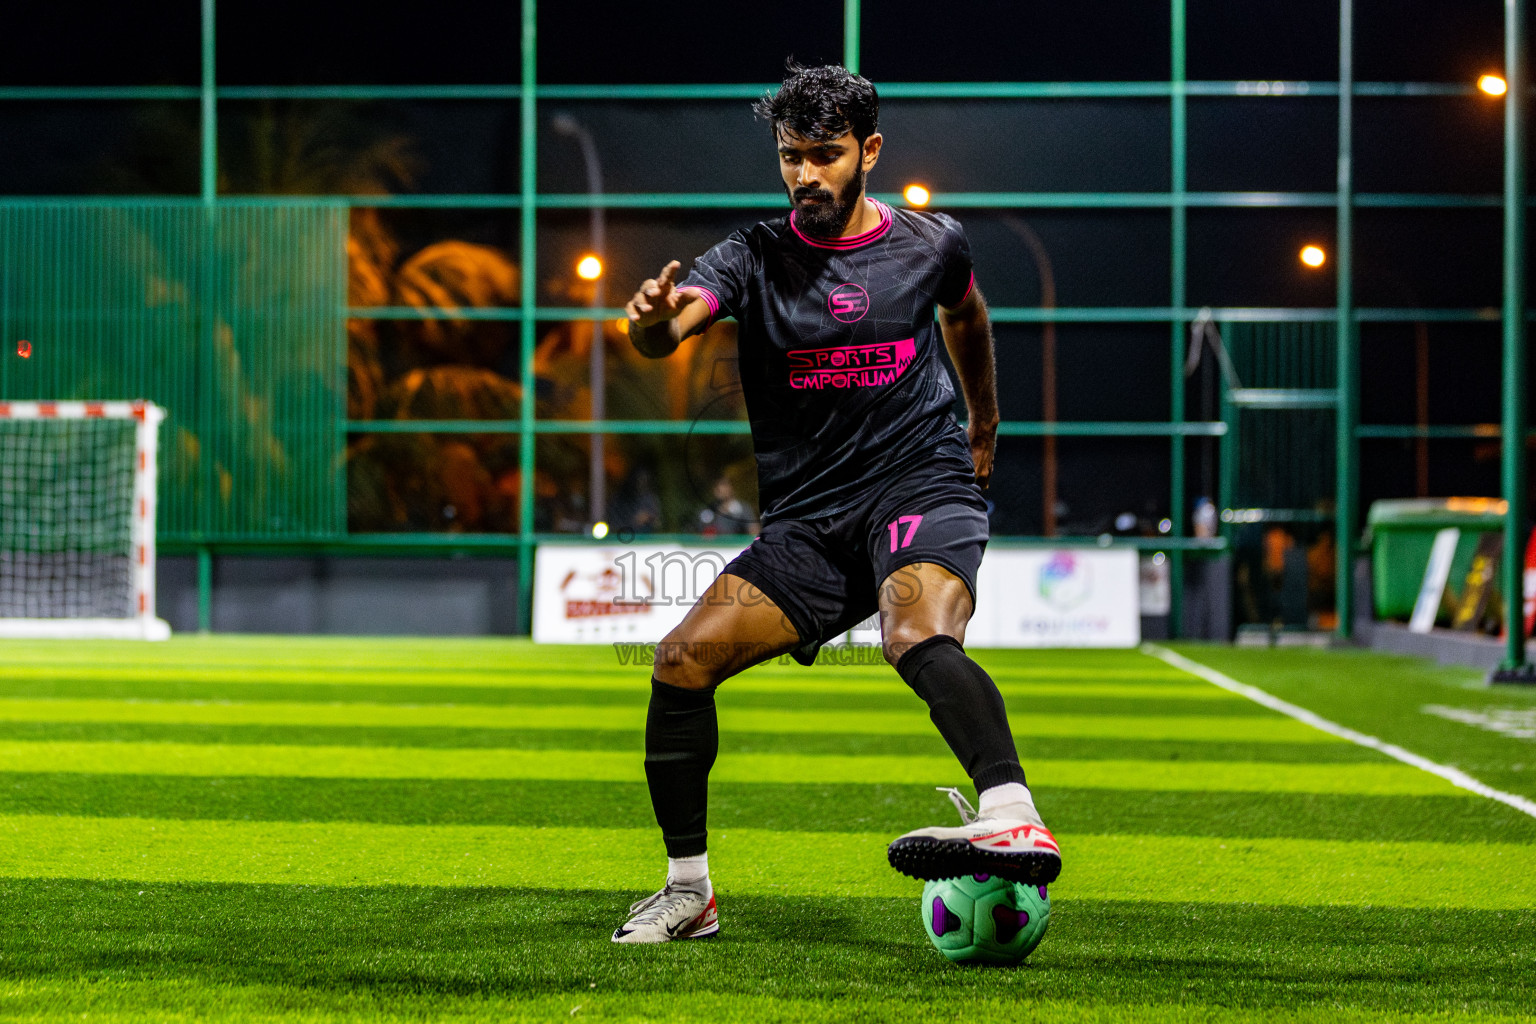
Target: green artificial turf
column 182, row 759
column 480, row 951
column 350, row 829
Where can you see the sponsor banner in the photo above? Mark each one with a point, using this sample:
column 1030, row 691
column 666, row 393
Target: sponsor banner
column 634, row 592
column 1067, row 597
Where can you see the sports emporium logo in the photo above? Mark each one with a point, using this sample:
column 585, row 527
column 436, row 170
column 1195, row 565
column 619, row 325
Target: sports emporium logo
column 850, row 366
column 848, row 302
column 1065, row 581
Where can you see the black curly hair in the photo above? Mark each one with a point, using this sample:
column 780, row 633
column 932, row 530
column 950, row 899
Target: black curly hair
column 822, row 103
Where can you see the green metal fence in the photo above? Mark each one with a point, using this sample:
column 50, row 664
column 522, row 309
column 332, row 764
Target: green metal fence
column 231, row 319
column 1280, row 407
column 291, row 362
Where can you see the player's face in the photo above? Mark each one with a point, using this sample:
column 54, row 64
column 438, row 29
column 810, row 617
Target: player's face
column 825, row 178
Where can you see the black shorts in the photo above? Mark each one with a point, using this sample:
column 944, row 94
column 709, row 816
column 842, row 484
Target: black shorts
column 825, row 574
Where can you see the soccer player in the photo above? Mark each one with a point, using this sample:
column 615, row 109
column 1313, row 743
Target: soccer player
column 870, row 490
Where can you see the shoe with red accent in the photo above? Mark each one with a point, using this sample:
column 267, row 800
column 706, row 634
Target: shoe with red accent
column 676, row 912
column 1011, row 848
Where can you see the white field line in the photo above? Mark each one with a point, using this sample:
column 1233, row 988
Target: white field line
column 1454, row 776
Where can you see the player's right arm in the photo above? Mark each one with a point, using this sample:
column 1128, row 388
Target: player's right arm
column 660, row 316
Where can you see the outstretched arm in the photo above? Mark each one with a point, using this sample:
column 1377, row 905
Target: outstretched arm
column 660, row 316
column 968, row 336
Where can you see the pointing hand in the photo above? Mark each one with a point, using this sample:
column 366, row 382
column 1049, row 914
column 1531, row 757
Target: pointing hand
column 658, row 299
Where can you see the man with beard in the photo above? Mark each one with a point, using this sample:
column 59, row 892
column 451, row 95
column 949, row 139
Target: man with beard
column 870, row 490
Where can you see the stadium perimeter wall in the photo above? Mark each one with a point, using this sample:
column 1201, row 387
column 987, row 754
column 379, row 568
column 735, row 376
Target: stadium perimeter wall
column 346, row 595
column 465, row 596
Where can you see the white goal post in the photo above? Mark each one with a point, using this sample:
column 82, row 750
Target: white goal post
column 77, row 520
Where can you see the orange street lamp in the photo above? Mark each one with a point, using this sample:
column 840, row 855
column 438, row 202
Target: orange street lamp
column 917, row 195
column 1313, row 256
column 589, row 268
column 1493, row 85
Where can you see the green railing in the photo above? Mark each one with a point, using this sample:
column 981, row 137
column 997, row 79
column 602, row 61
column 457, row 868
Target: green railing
column 205, row 531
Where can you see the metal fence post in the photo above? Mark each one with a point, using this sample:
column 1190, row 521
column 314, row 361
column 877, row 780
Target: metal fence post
column 204, row 589
column 1178, row 496
column 527, row 326
column 1347, row 486
column 208, row 163
column 851, row 35
column 1513, row 470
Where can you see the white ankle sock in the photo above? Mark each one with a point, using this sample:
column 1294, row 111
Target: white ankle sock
column 1010, row 800
column 692, row 872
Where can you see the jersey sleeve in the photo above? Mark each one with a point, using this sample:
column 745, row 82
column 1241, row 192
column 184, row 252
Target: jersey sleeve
column 720, row 276
column 958, row 275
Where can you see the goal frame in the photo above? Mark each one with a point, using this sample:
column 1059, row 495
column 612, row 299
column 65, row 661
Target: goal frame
column 144, row 624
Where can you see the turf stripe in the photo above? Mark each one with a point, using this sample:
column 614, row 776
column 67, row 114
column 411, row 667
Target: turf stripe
column 1044, row 684
column 898, row 699
column 932, row 744
column 327, row 954
column 1452, row 775
column 631, row 718
column 113, row 1000
column 866, row 807
column 1282, row 872
column 621, row 766
column 480, row 653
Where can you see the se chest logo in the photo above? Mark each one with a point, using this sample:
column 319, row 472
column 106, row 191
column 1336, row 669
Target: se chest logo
column 848, row 303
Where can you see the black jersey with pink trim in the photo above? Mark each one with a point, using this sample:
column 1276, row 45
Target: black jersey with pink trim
column 839, row 352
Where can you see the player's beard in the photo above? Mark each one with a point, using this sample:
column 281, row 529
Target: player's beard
column 827, row 218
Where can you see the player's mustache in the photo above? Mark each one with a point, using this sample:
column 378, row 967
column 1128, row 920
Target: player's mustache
column 800, row 195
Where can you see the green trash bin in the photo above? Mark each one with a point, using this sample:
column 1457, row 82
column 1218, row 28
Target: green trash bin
column 1401, row 532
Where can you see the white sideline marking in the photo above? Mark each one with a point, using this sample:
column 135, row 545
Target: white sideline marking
column 1454, row 776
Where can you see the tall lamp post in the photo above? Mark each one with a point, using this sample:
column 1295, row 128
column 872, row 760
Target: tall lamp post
column 597, row 487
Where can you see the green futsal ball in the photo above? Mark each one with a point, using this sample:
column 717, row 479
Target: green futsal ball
column 983, row 919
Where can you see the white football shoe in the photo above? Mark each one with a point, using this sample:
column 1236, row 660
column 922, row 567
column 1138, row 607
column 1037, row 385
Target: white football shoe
column 676, row 912
column 1011, row 848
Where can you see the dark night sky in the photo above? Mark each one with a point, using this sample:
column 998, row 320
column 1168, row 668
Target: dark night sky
column 458, row 41
column 1237, row 257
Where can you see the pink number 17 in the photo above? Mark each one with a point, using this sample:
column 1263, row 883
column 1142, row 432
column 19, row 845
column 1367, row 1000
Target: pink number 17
column 912, row 522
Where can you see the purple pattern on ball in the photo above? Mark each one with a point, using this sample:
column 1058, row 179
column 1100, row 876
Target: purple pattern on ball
column 944, row 919
column 981, row 878
column 1042, row 891
column 1008, row 922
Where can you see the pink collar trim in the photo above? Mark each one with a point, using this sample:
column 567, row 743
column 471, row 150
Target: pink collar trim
column 853, row 241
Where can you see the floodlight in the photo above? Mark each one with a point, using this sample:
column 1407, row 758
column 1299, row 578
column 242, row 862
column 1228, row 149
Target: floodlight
column 1493, row 85
column 589, row 268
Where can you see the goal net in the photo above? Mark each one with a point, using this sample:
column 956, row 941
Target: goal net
column 77, row 520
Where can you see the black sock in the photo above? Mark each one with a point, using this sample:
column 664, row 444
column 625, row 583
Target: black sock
column 964, row 703
column 682, row 738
